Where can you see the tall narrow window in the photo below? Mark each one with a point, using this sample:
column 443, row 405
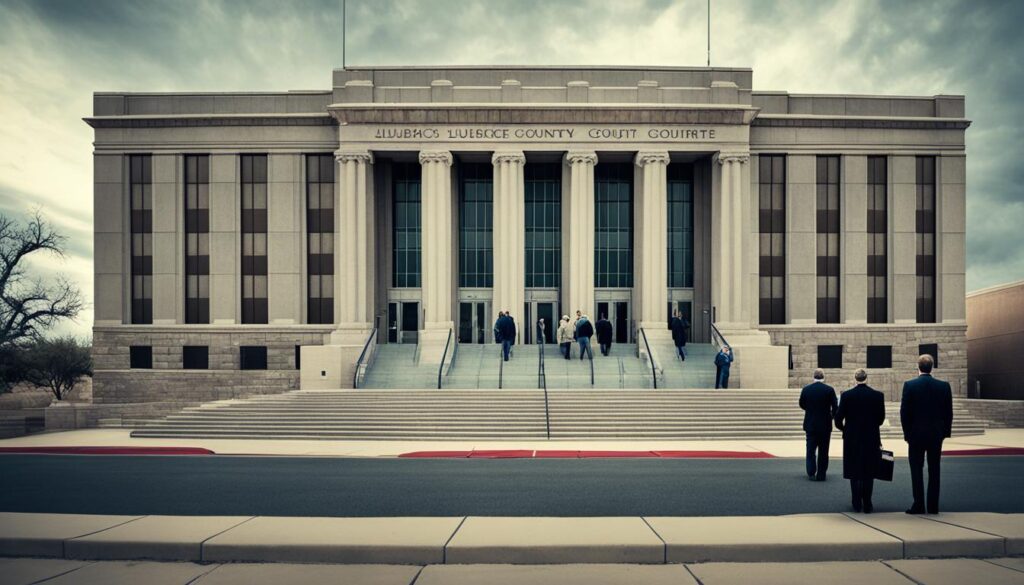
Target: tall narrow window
column 772, row 238
column 613, row 218
column 680, row 225
column 476, row 226
column 878, row 229
column 141, row 185
column 197, row 238
column 320, row 238
column 925, row 239
column 543, row 185
column 406, row 232
column 828, row 238
column 254, row 238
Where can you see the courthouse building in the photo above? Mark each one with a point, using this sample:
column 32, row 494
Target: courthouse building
column 243, row 237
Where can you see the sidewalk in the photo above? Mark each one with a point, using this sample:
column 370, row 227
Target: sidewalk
column 513, row 540
column 993, row 438
column 995, row 571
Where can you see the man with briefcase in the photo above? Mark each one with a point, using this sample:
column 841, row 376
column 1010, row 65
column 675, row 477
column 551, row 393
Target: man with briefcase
column 860, row 416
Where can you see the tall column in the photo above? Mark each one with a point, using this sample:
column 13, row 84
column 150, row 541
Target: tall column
column 729, row 259
column 437, row 239
column 353, row 287
column 581, row 232
column 654, row 248
column 509, row 233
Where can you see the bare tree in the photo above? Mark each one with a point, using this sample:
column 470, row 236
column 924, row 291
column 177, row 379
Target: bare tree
column 56, row 364
column 31, row 304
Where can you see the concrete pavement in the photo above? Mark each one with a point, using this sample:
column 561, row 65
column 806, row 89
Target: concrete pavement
column 993, row 571
column 1012, row 438
column 525, row 540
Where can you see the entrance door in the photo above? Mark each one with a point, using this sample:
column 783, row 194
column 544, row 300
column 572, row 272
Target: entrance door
column 686, row 309
column 403, row 321
column 546, row 311
column 618, row 313
column 473, row 322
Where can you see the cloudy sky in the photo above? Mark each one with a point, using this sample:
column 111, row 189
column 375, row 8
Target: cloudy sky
column 55, row 53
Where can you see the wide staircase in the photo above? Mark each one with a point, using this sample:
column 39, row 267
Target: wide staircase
column 509, row 414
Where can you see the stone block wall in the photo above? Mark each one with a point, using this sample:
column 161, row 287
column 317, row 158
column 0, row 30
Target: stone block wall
column 114, row 382
column 855, row 339
column 998, row 413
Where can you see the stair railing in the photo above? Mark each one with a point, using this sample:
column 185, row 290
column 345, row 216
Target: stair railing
column 650, row 358
column 543, row 382
column 440, row 368
column 360, row 363
column 501, row 366
column 590, row 355
column 718, row 338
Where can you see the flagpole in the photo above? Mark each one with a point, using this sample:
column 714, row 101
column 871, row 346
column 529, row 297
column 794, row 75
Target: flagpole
column 709, row 33
column 344, row 37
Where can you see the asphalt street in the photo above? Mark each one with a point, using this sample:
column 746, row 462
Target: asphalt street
column 289, row 486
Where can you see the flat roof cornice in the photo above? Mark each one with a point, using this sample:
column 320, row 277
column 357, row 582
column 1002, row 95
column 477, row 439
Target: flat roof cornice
column 533, row 113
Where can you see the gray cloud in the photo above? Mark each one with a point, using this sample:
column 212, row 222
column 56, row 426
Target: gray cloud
column 57, row 52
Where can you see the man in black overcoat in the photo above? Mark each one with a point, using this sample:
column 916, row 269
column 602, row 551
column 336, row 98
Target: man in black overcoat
column 860, row 416
column 679, row 326
column 818, row 400
column 926, row 413
column 604, row 334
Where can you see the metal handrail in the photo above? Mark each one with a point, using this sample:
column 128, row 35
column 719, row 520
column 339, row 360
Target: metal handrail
column 721, row 338
column 359, row 362
column 444, row 355
column 650, row 358
column 590, row 358
column 501, row 366
column 544, row 385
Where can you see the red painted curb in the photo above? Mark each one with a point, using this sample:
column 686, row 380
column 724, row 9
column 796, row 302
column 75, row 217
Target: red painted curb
column 109, row 450
column 985, row 451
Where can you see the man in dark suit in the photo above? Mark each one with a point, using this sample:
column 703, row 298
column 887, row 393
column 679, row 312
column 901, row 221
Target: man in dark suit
column 926, row 413
column 818, row 400
column 604, row 334
column 860, row 414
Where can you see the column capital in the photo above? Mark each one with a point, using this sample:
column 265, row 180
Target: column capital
column 436, row 156
column 359, row 156
column 646, row 157
column 576, row 157
column 733, row 157
column 508, row 156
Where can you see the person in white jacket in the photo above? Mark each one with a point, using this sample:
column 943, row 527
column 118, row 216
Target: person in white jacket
column 565, row 331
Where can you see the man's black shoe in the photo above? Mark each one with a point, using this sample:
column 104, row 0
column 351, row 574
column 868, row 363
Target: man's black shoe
column 822, row 478
column 868, row 507
column 915, row 511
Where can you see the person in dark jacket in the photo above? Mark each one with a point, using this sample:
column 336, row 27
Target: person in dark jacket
column 818, row 400
column 723, row 361
column 679, row 326
column 926, row 413
column 604, row 334
column 584, row 331
column 506, row 328
column 860, row 416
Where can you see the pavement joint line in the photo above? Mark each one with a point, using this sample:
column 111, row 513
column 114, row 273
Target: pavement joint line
column 416, row 577
column 940, row 521
column 202, row 545
column 904, row 575
column 205, row 573
column 664, row 545
column 444, row 549
column 64, row 542
column 903, row 544
column 692, row 574
column 989, row 561
column 69, row 571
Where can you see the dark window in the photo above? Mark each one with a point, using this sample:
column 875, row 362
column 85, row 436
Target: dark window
column 931, row 349
column 141, row 186
column 197, row 238
column 828, row 239
column 252, row 357
column 926, row 239
column 879, row 356
column 406, row 231
column 680, row 225
column 830, row 356
column 298, row 357
column 320, row 238
column 772, row 238
column 613, row 225
column 195, row 357
column 476, row 225
column 254, row 238
column 140, row 357
column 878, row 229
column 543, row 193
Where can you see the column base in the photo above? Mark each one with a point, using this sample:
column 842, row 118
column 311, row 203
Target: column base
column 757, row 363
column 432, row 341
column 350, row 334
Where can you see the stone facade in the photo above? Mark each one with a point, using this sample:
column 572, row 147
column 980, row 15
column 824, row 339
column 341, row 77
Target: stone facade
column 904, row 340
column 643, row 119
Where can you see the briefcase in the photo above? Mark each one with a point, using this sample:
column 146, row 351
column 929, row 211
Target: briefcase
column 886, row 462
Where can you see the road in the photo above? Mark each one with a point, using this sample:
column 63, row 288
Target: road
column 282, row 486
